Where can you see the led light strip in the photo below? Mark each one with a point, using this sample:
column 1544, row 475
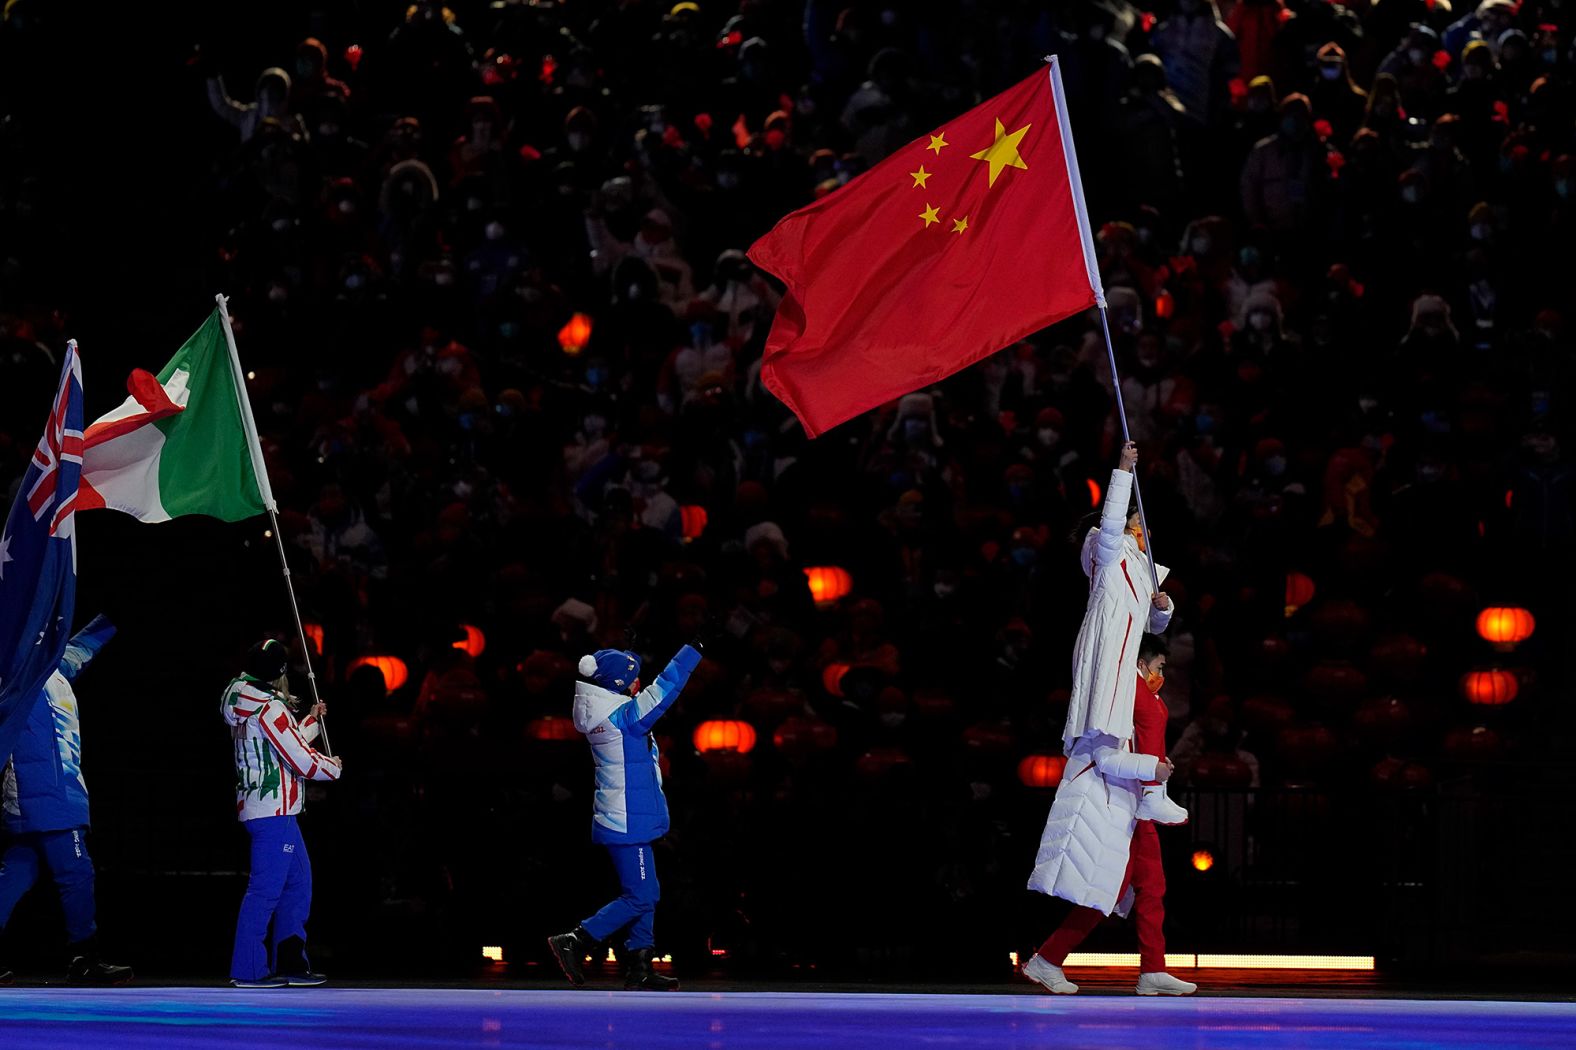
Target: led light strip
column 1230, row 962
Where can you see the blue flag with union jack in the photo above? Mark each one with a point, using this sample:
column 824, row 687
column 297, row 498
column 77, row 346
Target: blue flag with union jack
column 38, row 559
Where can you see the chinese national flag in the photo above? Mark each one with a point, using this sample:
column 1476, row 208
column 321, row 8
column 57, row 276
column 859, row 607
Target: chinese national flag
column 960, row 243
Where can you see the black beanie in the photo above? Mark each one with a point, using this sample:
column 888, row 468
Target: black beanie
column 266, row 660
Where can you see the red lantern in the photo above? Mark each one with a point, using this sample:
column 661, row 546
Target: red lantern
column 1400, row 657
column 1475, row 744
column 879, row 762
column 552, row 728
column 693, row 520
column 1382, row 718
column 1041, row 771
column 574, row 336
column 799, row 736
column 1266, row 713
column 1165, row 305
column 1336, row 681
column 832, row 678
column 474, row 643
column 314, row 634
column 1307, row 747
column 1505, row 627
column 828, row 583
column 990, row 737
column 1491, row 687
column 1094, row 493
column 395, row 673
column 1299, row 591
column 725, row 735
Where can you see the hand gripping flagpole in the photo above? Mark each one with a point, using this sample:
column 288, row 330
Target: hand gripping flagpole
column 260, row 468
column 1085, row 237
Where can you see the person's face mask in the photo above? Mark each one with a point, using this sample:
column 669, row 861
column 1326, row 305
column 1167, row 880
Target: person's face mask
column 346, row 207
column 578, row 141
column 1154, row 679
column 1474, row 71
column 1048, row 436
column 1411, row 194
column 1258, row 105
column 1417, row 56
column 1550, row 56
column 1261, row 320
column 915, row 430
column 1201, row 245
column 1482, row 231
column 494, row 231
column 1136, row 530
column 1025, row 557
column 1330, row 72
column 1275, row 465
column 1204, row 423
column 596, row 376
column 1562, row 188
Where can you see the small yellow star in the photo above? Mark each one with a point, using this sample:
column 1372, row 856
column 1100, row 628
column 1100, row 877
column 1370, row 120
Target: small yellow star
column 920, row 176
column 938, row 141
column 931, row 215
column 1003, row 153
column 959, row 225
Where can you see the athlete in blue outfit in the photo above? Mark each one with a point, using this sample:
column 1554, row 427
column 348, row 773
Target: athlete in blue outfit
column 45, row 803
column 630, row 811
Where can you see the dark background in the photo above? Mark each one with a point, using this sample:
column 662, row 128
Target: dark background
column 901, row 852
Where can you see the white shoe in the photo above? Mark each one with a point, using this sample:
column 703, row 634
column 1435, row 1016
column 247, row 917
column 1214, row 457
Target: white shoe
column 1056, row 982
column 1157, row 806
column 1162, row 983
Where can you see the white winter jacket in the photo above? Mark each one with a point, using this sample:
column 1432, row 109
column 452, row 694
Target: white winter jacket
column 1105, row 657
column 1084, row 848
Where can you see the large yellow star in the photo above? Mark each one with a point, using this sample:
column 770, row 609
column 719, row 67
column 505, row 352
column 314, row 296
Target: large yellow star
column 931, row 215
column 919, row 177
column 938, row 141
column 1003, row 153
column 959, row 225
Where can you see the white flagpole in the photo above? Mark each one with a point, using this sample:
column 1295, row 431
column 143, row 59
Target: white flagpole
column 1091, row 264
column 260, row 468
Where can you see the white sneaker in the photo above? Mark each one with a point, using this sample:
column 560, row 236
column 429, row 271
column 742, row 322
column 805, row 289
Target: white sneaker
column 1056, row 982
column 1162, row 983
column 1157, row 806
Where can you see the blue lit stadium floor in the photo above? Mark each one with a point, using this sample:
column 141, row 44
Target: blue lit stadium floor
column 198, row 1018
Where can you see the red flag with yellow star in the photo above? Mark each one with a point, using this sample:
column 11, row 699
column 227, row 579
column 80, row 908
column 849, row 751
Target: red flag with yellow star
column 960, row 243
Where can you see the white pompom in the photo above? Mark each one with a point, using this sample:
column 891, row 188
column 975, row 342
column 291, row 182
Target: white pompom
column 588, row 665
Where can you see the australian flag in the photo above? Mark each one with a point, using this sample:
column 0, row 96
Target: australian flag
column 38, row 559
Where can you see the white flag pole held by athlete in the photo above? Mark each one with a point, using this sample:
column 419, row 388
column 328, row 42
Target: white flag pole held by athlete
column 1085, row 235
column 260, row 468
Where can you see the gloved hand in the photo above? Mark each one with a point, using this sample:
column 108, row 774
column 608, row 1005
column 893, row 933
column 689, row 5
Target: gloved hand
column 707, row 636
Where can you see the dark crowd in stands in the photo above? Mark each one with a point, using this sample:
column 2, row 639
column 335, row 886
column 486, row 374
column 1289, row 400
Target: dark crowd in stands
column 487, row 265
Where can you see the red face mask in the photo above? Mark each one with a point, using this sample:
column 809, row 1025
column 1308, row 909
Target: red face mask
column 1154, row 680
column 1137, row 532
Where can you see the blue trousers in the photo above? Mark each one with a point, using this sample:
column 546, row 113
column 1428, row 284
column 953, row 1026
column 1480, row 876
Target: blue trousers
column 636, row 907
column 65, row 854
column 280, row 892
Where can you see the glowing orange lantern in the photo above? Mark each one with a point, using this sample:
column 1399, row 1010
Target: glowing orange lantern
column 725, row 735
column 693, row 520
column 832, row 678
column 1299, row 591
column 1490, row 688
column 474, row 643
column 574, row 336
column 1165, row 305
column 1041, row 771
column 395, row 673
column 828, row 583
column 1094, row 493
column 1504, row 626
column 1203, row 860
column 314, row 633
column 552, row 727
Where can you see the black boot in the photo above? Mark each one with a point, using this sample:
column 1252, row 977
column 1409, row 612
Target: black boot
column 291, row 964
column 570, row 949
column 87, row 968
column 640, row 977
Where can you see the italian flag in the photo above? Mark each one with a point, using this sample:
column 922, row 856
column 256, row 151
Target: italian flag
column 184, row 442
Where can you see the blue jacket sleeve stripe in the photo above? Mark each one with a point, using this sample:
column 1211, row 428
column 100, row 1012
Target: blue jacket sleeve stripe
column 638, row 716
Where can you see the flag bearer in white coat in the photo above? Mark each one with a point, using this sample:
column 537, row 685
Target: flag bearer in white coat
column 1107, row 786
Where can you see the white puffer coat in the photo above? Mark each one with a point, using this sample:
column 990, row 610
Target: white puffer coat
column 1083, row 850
column 1105, row 657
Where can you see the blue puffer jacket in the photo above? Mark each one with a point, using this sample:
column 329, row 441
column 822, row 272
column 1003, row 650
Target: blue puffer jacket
column 43, row 788
column 629, row 806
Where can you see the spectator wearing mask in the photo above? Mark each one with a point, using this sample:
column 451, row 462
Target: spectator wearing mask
column 1200, row 57
column 1283, row 175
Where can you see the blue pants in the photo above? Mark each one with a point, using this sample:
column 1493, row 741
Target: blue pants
column 637, row 906
column 280, row 890
column 65, row 854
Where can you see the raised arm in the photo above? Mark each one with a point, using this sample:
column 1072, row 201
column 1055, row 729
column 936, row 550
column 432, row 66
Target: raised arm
column 1113, row 513
column 84, row 645
column 282, row 732
column 641, row 713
